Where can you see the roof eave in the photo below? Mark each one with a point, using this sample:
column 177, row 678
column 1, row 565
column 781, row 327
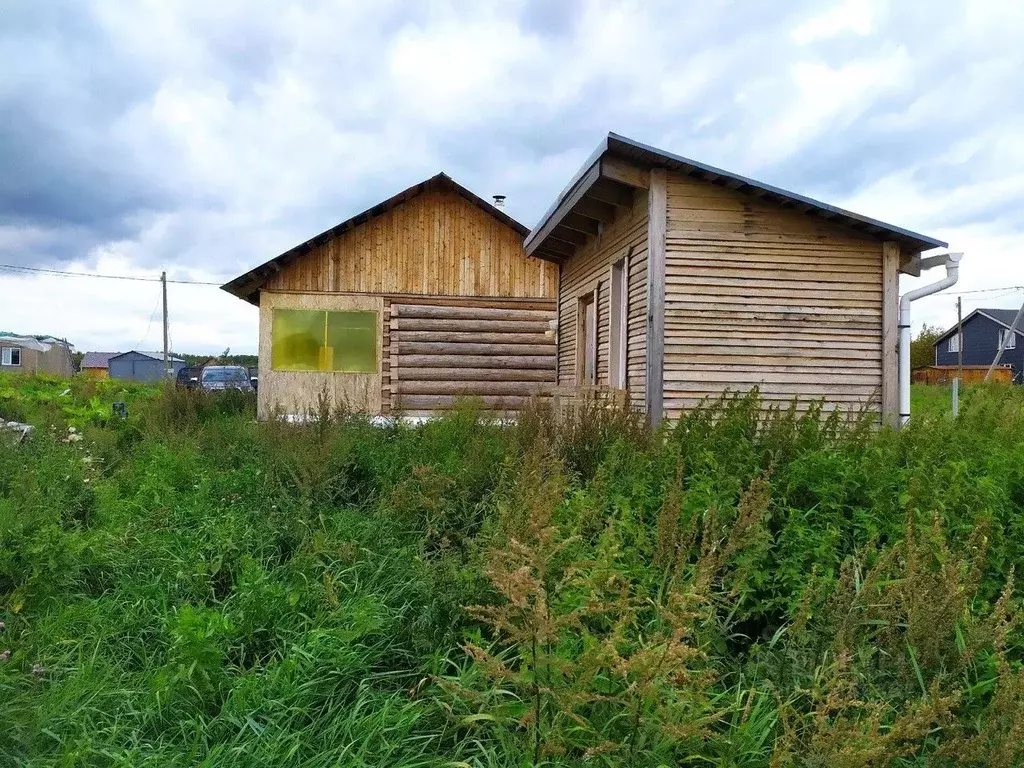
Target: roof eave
column 643, row 154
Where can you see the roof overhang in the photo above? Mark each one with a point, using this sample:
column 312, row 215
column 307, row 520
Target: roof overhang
column 620, row 165
column 247, row 286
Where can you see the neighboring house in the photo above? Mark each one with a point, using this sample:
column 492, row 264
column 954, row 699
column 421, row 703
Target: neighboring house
column 97, row 364
column 421, row 299
column 983, row 332
column 679, row 281
column 142, row 366
column 35, row 354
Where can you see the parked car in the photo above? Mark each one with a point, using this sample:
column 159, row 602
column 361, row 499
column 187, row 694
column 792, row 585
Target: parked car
column 188, row 377
column 220, row 377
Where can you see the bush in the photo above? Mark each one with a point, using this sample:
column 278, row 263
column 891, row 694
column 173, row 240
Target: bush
column 795, row 587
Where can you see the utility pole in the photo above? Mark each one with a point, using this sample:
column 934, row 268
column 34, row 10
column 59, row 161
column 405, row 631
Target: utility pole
column 959, row 338
column 959, row 355
column 1006, row 338
column 163, row 284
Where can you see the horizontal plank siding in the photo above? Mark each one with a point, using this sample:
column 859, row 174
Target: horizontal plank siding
column 590, row 268
column 502, row 356
column 757, row 295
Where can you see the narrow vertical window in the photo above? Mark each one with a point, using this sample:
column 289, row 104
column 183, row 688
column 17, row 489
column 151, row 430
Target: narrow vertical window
column 618, row 348
column 586, row 339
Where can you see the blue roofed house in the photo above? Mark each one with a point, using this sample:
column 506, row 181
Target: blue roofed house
column 983, row 332
column 142, row 366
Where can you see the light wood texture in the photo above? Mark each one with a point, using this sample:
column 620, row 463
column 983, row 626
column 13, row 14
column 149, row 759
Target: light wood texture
column 890, row 331
column 437, row 243
column 297, row 392
column 757, row 295
column 657, row 209
column 499, row 356
column 591, row 265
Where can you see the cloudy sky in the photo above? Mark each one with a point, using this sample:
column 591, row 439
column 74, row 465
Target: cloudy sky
column 204, row 138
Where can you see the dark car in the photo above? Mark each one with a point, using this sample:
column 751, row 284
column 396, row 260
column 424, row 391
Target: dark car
column 219, row 377
column 188, row 377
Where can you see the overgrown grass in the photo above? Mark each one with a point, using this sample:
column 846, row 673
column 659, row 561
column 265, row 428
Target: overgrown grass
column 189, row 587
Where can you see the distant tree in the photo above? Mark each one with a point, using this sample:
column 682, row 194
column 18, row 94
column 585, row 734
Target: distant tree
column 922, row 347
column 76, row 359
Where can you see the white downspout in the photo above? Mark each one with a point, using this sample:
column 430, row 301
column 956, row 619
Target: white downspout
column 952, row 264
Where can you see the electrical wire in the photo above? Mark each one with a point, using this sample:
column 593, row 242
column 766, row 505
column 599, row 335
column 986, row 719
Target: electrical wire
column 65, row 273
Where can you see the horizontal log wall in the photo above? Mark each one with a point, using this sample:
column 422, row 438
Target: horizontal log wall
column 760, row 295
column 436, row 244
column 591, row 266
column 500, row 356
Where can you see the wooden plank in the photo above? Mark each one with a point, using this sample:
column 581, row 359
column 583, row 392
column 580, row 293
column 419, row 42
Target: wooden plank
column 432, row 348
column 470, row 313
column 890, row 330
column 713, row 357
column 624, row 172
column 474, row 361
column 500, row 388
column 445, row 402
column 444, row 337
column 481, row 374
column 471, row 325
column 656, row 219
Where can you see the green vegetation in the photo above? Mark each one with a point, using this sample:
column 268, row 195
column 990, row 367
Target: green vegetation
column 187, row 587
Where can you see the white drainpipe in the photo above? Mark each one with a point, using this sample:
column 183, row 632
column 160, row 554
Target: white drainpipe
column 952, row 264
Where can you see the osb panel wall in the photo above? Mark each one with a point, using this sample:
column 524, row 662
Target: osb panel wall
column 760, row 295
column 437, row 244
column 591, row 266
column 297, row 392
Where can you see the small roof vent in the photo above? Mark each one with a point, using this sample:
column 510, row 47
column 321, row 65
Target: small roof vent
column 499, row 201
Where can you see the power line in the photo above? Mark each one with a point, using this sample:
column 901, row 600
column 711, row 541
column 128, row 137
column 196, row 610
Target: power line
column 65, row 273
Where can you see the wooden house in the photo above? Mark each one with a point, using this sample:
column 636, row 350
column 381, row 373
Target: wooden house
column 406, row 307
column 35, row 354
column 679, row 281
column 96, row 365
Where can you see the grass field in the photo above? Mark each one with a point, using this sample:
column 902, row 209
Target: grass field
column 186, row 587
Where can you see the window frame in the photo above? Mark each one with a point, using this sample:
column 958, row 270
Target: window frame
column 7, row 357
column 586, row 348
column 325, row 342
column 618, row 321
column 953, row 344
column 1006, row 333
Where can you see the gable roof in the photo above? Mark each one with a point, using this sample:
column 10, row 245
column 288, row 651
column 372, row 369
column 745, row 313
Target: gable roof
column 247, row 286
column 152, row 355
column 1003, row 317
column 100, row 359
column 600, row 166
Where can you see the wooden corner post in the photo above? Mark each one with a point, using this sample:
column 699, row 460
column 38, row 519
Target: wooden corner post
column 657, row 214
column 890, row 331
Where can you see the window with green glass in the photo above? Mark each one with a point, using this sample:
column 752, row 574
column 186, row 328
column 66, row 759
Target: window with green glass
column 314, row 340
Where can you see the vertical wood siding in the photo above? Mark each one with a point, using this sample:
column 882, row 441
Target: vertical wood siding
column 435, row 244
column 590, row 267
column 759, row 295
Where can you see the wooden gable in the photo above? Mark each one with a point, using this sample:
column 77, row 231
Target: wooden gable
column 436, row 243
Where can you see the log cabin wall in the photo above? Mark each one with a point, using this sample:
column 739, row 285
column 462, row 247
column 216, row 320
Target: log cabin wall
column 760, row 295
column 435, row 244
column 590, row 269
column 499, row 353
